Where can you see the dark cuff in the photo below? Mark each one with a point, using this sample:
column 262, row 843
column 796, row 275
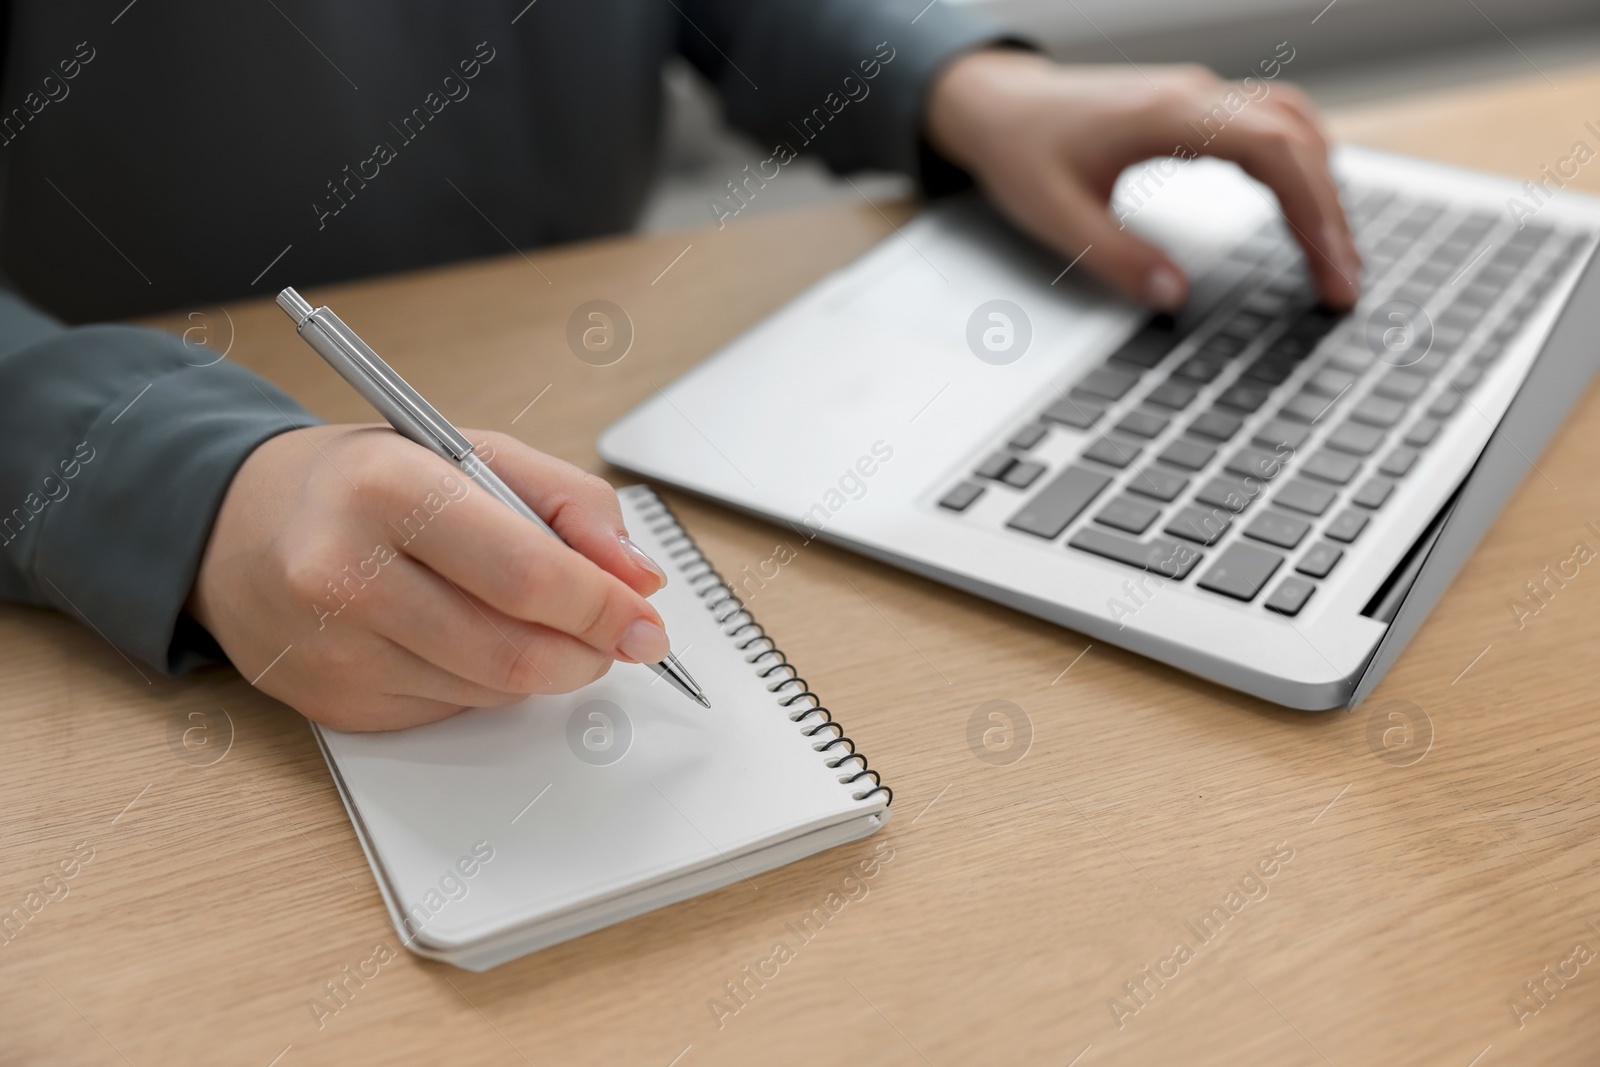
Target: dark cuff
column 129, row 443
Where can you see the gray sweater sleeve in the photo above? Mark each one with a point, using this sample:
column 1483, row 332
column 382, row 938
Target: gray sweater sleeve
column 846, row 79
column 121, row 442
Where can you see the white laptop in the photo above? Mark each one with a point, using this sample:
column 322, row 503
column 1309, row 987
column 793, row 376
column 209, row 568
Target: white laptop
column 1255, row 491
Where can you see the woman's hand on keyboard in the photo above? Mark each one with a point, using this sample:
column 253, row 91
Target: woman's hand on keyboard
column 1047, row 142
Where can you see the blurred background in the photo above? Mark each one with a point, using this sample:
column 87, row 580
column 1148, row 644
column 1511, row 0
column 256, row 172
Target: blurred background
column 1346, row 52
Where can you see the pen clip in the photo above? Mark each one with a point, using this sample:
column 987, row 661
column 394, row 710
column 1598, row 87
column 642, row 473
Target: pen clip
column 384, row 383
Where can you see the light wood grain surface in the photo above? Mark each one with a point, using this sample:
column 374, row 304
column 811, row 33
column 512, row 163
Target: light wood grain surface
column 1416, row 899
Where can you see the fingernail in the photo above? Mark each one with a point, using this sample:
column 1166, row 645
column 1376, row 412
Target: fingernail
column 1164, row 289
column 645, row 642
column 638, row 555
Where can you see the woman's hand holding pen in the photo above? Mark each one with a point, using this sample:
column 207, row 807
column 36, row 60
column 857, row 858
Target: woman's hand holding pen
column 369, row 584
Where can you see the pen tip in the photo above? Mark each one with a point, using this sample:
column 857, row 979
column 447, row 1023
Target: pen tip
column 703, row 701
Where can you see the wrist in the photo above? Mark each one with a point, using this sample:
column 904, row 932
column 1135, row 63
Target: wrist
column 962, row 100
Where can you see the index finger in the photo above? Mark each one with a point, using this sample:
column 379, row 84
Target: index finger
column 444, row 521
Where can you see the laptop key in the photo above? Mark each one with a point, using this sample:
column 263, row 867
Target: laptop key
column 1280, row 435
column 1253, row 461
column 961, row 497
column 996, row 465
column 1173, row 394
column 1241, row 571
column 1398, row 462
column 1330, row 382
column 1400, row 386
column 1271, row 369
column 1314, row 321
column 1487, row 352
column 1290, row 596
column 1422, row 433
column 1227, row 492
column 1113, row 452
column 1128, row 513
column 1304, row 407
column 1188, row 454
column 1023, row 473
column 1347, row 526
column 1217, row 425
column 1378, row 411
column 1112, row 383
column 1276, row 528
column 1062, row 499
column 1373, row 493
column 1330, row 466
column 1354, row 360
column 1174, row 559
column 1445, row 404
column 1247, row 398
column 1306, row 496
column 1320, row 559
column 1149, row 345
column 1427, row 366
column 1028, row 436
column 1070, row 411
column 1355, row 438
column 1158, row 483
column 1224, row 345
column 1200, row 368
column 1143, row 423
column 1199, row 524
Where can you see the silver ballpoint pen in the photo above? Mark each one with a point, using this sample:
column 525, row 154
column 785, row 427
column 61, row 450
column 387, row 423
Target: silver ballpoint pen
column 417, row 419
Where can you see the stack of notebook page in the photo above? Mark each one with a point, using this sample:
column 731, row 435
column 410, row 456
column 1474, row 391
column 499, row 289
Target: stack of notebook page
column 501, row 831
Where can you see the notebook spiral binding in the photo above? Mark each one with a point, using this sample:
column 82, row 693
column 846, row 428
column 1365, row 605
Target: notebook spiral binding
column 760, row 652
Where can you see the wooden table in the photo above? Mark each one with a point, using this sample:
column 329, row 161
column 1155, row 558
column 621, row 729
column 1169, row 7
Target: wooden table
column 1410, row 898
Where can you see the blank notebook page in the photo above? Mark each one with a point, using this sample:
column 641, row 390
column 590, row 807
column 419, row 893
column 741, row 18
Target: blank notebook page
column 602, row 792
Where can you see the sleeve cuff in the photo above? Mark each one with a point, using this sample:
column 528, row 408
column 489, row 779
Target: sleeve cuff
column 130, row 447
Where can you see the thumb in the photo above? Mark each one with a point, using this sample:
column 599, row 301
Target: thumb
column 579, row 506
column 1077, row 223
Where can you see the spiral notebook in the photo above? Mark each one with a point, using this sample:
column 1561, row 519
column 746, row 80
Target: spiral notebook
column 501, row 831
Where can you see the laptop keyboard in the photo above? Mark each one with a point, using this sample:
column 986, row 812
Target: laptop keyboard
column 1200, row 464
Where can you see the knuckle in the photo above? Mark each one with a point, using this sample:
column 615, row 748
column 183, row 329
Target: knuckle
column 1173, row 98
column 596, row 489
column 371, row 475
column 307, row 570
column 574, row 669
column 599, row 617
column 512, row 670
column 1190, row 76
column 333, row 661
